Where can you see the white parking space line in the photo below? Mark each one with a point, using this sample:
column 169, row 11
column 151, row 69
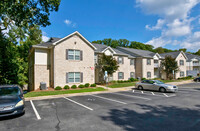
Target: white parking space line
column 34, row 109
column 133, row 90
column 109, row 99
column 132, row 96
column 142, row 92
column 165, row 95
column 78, row 104
column 171, row 95
column 152, row 93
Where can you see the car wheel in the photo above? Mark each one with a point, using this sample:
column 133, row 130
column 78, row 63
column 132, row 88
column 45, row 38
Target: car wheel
column 162, row 89
column 140, row 88
column 198, row 80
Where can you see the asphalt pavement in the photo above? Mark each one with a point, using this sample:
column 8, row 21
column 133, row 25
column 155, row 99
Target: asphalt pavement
column 117, row 111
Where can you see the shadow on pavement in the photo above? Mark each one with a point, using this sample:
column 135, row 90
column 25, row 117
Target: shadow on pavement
column 10, row 117
column 155, row 118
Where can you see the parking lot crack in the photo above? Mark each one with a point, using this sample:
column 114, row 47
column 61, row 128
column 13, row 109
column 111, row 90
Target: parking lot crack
column 58, row 124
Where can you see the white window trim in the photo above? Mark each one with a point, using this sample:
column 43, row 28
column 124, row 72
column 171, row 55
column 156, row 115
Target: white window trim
column 74, row 54
column 74, row 77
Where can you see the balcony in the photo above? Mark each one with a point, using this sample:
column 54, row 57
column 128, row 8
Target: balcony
column 156, row 65
column 196, row 64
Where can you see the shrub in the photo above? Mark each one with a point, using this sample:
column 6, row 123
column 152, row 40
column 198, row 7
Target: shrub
column 143, row 78
column 129, row 81
column 93, row 85
column 66, row 87
column 58, row 88
column 73, row 86
column 87, row 85
column 81, row 86
column 113, row 82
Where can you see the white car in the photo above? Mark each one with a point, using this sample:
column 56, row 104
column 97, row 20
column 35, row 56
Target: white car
column 156, row 85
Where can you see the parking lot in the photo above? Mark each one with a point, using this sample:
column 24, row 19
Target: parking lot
column 124, row 110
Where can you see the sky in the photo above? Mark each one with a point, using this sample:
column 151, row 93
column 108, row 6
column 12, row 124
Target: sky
column 172, row 24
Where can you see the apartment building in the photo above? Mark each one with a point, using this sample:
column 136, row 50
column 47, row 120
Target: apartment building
column 192, row 64
column 181, row 59
column 61, row 62
column 73, row 60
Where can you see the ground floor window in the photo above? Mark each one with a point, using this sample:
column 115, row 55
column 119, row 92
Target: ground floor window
column 74, row 77
column 132, row 75
column 120, row 75
column 181, row 73
column 148, row 74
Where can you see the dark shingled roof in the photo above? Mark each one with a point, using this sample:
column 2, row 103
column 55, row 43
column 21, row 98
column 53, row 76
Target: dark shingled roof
column 191, row 56
column 172, row 54
column 136, row 52
column 49, row 42
column 99, row 47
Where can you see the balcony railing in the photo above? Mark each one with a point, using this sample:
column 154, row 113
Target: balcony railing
column 196, row 64
column 156, row 65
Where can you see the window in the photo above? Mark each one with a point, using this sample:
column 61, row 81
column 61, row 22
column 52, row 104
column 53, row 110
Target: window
column 132, row 75
column 181, row 73
column 74, row 77
column 132, row 61
column 181, row 62
column 148, row 74
column 74, row 54
column 120, row 60
column 148, row 61
column 120, row 75
column 95, row 58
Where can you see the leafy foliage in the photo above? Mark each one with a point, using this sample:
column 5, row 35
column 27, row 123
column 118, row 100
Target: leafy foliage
column 169, row 65
column 19, row 29
column 58, row 88
column 108, row 63
column 66, row 87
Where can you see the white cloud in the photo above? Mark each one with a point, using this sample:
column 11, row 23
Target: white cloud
column 158, row 42
column 192, row 42
column 158, row 26
column 174, row 22
column 45, row 38
column 70, row 23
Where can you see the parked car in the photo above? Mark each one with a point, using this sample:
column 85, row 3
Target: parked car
column 197, row 79
column 156, row 85
column 11, row 100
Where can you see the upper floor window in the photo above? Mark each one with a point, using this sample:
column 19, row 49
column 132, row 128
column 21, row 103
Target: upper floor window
column 181, row 73
column 120, row 60
column 148, row 61
column 181, row 62
column 148, row 74
column 120, row 75
column 73, row 54
column 132, row 62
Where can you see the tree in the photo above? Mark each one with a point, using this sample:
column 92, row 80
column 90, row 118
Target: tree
column 184, row 49
column 22, row 13
column 108, row 63
column 159, row 50
column 18, row 20
column 168, row 65
column 198, row 52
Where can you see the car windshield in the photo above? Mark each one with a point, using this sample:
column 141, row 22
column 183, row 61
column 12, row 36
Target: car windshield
column 9, row 91
column 158, row 82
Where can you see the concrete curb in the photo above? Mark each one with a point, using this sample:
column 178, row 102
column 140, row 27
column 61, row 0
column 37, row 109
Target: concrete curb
column 109, row 90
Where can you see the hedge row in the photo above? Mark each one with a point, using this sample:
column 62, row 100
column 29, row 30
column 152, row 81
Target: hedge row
column 125, row 81
column 75, row 86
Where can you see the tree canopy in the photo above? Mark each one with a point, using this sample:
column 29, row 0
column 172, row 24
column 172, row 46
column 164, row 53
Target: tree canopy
column 168, row 65
column 20, row 22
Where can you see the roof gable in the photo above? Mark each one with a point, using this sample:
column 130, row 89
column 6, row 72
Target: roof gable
column 75, row 33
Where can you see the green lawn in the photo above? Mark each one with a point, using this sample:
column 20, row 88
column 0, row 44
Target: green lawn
column 48, row 93
column 166, row 81
column 118, row 85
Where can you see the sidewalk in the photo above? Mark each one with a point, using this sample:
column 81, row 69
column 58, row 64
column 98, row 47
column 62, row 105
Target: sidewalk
column 109, row 90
